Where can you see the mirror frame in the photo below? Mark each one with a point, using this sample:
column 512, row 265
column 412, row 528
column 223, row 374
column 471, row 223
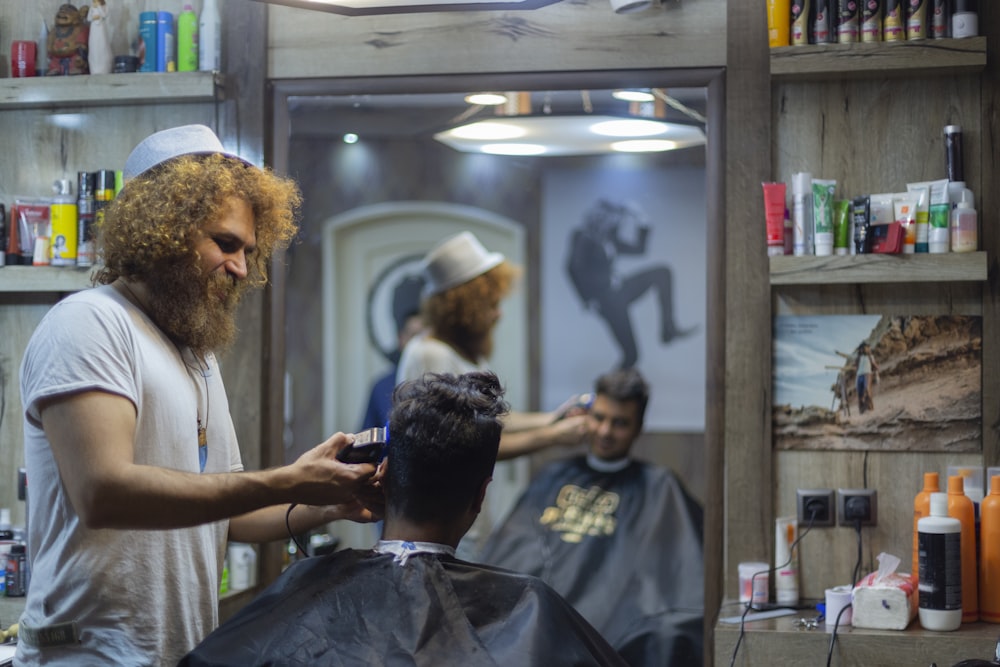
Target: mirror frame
column 712, row 79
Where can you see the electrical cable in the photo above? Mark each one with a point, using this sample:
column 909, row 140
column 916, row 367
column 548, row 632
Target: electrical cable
column 833, row 636
column 288, row 526
column 749, row 605
column 857, row 564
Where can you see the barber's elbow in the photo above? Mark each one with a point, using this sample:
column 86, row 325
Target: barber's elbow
column 97, row 507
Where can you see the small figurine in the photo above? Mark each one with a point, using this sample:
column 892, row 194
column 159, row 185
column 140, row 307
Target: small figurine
column 67, row 42
column 100, row 57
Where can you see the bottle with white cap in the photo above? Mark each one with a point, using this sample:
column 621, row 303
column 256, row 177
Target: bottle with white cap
column 939, row 539
column 964, row 224
column 209, row 37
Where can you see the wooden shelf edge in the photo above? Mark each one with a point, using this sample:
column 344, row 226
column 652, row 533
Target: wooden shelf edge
column 108, row 89
column 43, row 279
column 831, row 61
column 877, row 268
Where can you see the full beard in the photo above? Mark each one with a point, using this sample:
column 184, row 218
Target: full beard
column 194, row 309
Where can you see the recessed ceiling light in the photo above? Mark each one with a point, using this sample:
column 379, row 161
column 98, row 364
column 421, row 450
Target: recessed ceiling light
column 633, row 95
column 513, row 149
column 350, row 138
column 644, row 145
column 486, row 99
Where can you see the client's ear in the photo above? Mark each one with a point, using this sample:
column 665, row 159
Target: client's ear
column 478, row 506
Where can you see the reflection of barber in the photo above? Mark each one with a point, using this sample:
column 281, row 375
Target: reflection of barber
column 867, row 372
column 594, row 247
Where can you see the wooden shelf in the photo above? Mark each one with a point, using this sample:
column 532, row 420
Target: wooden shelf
column 925, row 57
column 877, row 268
column 110, row 89
column 782, row 642
column 43, row 279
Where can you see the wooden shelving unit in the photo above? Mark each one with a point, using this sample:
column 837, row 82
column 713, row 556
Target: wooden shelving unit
column 110, row 89
column 878, row 268
column 932, row 57
column 43, row 279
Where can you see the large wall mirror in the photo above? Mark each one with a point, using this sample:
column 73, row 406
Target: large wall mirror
column 382, row 184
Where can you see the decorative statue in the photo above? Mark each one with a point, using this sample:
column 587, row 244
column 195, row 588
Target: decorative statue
column 100, row 57
column 67, row 42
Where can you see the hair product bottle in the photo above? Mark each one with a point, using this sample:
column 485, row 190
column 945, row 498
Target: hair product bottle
column 940, row 539
column 964, row 225
column 960, row 507
column 786, row 561
column 922, row 508
column 989, row 555
column 85, row 237
column 63, row 220
column 209, row 37
column 187, row 40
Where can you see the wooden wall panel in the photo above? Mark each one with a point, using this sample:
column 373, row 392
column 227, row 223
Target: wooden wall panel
column 875, row 135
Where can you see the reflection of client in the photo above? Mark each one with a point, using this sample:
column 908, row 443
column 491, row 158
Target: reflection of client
column 594, row 247
column 406, row 315
column 867, row 373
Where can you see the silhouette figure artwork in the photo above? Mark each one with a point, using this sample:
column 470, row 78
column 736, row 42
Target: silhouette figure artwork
column 611, row 229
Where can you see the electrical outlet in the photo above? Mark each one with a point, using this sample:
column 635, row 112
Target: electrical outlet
column 815, row 508
column 857, row 505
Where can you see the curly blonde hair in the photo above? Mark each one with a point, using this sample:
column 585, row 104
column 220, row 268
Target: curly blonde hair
column 463, row 315
column 158, row 215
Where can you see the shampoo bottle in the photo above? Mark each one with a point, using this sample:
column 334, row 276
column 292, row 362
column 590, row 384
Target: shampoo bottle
column 940, row 538
column 187, row 40
column 960, row 507
column 989, row 555
column 922, row 508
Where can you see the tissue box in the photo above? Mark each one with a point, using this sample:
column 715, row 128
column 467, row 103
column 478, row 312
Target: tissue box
column 889, row 603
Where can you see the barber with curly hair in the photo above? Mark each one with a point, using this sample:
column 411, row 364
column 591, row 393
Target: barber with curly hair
column 135, row 476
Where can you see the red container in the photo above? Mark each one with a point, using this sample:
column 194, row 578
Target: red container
column 22, row 58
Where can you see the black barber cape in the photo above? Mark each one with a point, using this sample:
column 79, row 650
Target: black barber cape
column 361, row 609
column 624, row 548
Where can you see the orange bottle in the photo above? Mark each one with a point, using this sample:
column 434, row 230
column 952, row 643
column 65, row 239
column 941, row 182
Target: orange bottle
column 989, row 557
column 922, row 508
column 960, row 507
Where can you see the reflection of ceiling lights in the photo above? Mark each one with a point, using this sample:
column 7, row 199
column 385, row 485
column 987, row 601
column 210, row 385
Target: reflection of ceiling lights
column 370, row 7
column 570, row 135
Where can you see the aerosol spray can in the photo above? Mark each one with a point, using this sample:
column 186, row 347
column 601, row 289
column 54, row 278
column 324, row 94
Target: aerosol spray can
column 85, row 218
column 63, row 219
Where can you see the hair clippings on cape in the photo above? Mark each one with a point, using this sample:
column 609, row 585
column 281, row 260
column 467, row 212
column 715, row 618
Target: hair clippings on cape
column 369, row 446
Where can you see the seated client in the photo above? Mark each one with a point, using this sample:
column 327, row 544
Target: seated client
column 409, row 601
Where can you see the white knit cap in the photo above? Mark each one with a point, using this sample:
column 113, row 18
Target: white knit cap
column 457, row 260
column 174, row 142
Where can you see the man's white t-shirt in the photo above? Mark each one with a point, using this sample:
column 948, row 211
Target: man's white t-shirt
column 138, row 597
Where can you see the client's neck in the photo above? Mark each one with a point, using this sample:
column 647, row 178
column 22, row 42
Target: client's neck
column 398, row 528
